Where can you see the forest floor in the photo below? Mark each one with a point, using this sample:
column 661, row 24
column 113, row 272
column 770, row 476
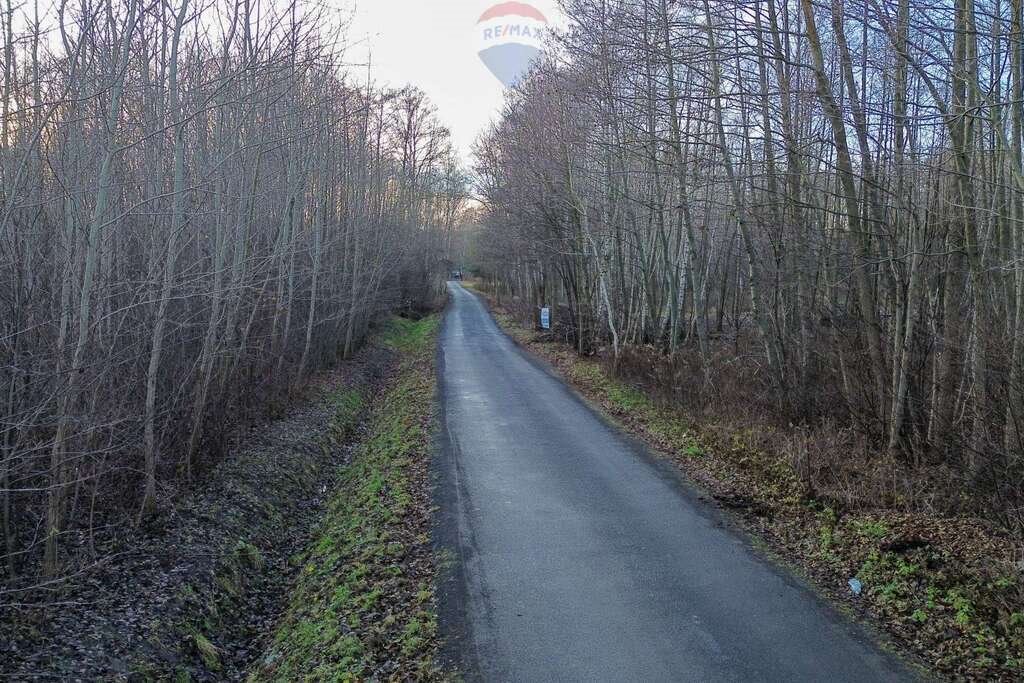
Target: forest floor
column 324, row 509
column 948, row 590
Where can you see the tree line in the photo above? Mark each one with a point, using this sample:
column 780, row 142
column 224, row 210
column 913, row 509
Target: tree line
column 815, row 206
column 201, row 205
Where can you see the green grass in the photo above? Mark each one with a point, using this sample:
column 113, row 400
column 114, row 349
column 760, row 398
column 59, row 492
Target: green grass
column 207, row 650
column 358, row 605
column 409, row 336
column 347, row 405
column 871, row 528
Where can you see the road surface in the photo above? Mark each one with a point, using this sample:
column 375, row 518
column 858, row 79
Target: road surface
column 577, row 556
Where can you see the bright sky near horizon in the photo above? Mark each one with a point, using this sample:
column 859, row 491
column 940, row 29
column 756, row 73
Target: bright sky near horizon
column 433, row 45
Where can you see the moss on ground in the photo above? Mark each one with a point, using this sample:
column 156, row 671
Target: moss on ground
column 363, row 606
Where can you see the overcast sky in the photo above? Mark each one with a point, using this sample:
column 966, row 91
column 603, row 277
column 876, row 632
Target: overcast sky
column 433, row 44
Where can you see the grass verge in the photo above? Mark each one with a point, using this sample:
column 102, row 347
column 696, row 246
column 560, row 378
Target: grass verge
column 364, row 605
column 951, row 590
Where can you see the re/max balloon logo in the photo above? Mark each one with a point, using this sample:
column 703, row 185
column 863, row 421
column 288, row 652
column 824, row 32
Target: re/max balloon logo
column 513, row 31
column 509, row 38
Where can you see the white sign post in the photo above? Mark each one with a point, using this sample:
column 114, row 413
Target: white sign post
column 545, row 318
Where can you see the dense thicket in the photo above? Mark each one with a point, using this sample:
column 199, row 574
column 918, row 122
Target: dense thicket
column 815, row 209
column 200, row 207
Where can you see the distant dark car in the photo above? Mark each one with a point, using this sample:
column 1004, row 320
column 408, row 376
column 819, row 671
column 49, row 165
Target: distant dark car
column 456, row 274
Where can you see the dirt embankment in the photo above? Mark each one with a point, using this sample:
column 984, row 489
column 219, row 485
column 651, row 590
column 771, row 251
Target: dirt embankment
column 192, row 595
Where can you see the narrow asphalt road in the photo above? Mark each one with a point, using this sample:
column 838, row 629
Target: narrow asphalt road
column 577, row 556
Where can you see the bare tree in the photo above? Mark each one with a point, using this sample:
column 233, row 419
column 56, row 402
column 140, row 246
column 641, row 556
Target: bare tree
column 200, row 207
column 843, row 183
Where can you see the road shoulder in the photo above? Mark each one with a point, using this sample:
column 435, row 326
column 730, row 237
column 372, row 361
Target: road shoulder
column 940, row 619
